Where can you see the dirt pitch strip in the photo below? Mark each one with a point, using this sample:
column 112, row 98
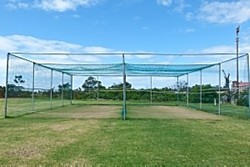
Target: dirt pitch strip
column 134, row 112
column 82, row 112
column 169, row 112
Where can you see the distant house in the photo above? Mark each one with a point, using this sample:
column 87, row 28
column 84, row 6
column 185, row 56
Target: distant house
column 242, row 86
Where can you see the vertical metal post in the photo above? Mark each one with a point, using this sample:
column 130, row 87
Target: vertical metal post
column 33, row 87
column 6, row 87
column 97, row 93
column 71, row 90
column 178, row 91
column 237, row 61
column 219, row 100
column 248, row 78
column 62, row 89
column 200, row 89
column 51, row 89
column 151, row 91
column 124, row 89
column 187, row 93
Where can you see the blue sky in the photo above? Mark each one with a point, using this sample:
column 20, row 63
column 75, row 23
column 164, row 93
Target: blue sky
column 172, row 26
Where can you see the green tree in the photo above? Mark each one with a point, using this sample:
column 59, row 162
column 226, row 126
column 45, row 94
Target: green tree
column 91, row 83
column 19, row 79
column 208, row 93
column 120, row 86
column 66, row 90
column 2, row 91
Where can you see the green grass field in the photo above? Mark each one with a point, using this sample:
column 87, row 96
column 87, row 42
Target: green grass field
column 152, row 135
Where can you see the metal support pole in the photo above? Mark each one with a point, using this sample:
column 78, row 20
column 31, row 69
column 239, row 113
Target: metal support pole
column 33, row 87
column 151, row 91
column 97, row 93
column 178, row 91
column 200, row 89
column 51, row 89
column 237, row 61
column 124, row 89
column 187, row 93
column 6, row 87
column 62, row 89
column 248, row 78
column 219, row 101
column 71, row 90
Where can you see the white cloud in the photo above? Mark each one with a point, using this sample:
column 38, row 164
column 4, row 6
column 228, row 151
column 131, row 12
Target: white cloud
column 20, row 43
column 51, row 5
column 15, row 4
column 219, row 49
column 144, row 56
column 225, row 12
column 178, row 5
column 165, row 2
column 97, row 49
column 32, row 44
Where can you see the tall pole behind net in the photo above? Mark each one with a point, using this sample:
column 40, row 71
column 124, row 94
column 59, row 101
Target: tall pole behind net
column 237, row 61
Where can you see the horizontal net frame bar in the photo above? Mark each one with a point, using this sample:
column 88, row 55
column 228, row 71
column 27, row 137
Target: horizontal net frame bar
column 128, row 53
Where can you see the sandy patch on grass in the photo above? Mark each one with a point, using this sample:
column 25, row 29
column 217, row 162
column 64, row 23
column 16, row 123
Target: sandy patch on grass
column 61, row 127
column 97, row 112
column 81, row 112
column 25, row 152
column 171, row 112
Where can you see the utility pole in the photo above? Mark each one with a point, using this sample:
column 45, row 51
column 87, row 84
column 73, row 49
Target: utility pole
column 237, row 61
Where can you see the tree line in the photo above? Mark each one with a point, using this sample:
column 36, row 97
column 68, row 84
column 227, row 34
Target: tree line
column 92, row 89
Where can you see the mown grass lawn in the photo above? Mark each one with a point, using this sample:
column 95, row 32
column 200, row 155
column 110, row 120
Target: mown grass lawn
column 95, row 135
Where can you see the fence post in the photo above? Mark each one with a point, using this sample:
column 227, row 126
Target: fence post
column 51, row 89
column 62, row 89
column 71, row 90
column 33, row 87
column 187, row 91
column 124, row 89
column 97, row 91
column 248, row 78
column 6, row 87
column 200, row 89
column 151, row 91
column 219, row 101
column 178, row 91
